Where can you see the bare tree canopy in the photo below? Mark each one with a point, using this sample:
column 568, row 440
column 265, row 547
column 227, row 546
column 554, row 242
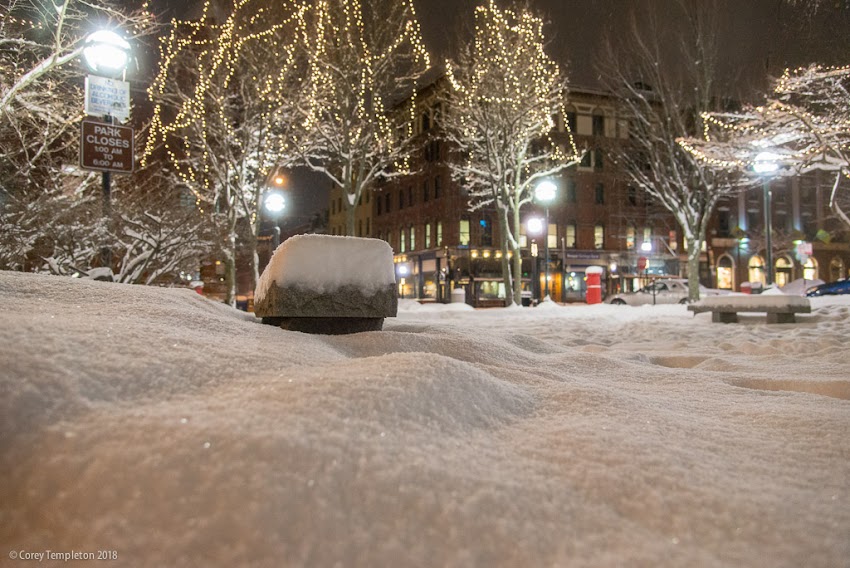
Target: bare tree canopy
column 362, row 57
column 803, row 124
column 664, row 100
column 505, row 91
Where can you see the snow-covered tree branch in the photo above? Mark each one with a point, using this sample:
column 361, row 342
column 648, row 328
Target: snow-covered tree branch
column 362, row 57
column 664, row 100
column 804, row 122
column 219, row 98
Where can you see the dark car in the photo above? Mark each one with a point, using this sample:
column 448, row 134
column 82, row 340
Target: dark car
column 830, row 289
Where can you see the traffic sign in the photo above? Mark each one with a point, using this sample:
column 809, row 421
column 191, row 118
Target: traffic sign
column 641, row 264
column 106, row 147
column 107, row 97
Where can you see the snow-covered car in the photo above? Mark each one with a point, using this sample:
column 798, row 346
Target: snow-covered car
column 666, row 291
column 831, row 289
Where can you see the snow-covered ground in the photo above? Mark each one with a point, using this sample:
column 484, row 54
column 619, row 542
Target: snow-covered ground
column 178, row 432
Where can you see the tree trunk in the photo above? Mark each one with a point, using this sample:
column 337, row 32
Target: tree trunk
column 349, row 216
column 694, row 246
column 506, row 265
column 517, row 260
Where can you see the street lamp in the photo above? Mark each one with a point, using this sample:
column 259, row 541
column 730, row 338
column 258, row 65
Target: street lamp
column 545, row 193
column 274, row 203
column 403, row 271
column 765, row 164
column 534, row 226
column 106, row 53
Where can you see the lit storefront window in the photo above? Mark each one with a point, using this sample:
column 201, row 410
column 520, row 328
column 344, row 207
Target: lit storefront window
column 756, row 270
column 725, row 273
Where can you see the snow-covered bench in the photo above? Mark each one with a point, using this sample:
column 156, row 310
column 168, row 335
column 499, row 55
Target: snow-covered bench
column 779, row 308
column 328, row 284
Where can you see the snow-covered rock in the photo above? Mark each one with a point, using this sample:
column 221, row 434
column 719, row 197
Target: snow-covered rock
column 328, row 284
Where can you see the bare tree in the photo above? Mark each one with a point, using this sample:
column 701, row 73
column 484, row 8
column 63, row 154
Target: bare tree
column 663, row 99
column 219, row 93
column 362, row 58
column 504, row 93
column 802, row 122
column 44, row 196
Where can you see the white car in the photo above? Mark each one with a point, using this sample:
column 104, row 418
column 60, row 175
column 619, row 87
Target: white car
column 662, row 291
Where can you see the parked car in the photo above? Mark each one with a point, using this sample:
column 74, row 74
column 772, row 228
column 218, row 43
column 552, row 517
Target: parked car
column 665, row 291
column 830, row 289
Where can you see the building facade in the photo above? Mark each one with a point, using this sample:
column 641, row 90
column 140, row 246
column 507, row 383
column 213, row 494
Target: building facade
column 597, row 219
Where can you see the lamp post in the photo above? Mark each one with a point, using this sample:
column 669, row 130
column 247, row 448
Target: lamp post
column 764, row 165
column 534, row 226
column 545, row 193
column 274, row 203
column 106, row 53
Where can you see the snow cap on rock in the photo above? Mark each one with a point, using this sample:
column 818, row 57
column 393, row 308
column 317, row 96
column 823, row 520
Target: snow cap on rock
column 325, row 263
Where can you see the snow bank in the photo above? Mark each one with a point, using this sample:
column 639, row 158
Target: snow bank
column 179, row 432
column 366, row 264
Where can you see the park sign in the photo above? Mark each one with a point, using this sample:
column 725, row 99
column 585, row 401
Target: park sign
column 106, row 147
column 107, row 97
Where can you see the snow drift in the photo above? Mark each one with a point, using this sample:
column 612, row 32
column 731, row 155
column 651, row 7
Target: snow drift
column 178, row 432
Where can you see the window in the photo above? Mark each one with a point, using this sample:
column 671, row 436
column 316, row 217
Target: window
column 585, row 159
column 486, row 232
column 597, row 158
column 401, row 199
column 437, row 184
column 380, row 203
column 600, row 193
column 360, row 227
column 570, row 188
column 464, row 232
column 412, row 238
column 598, row 125
column 632, row 195
column 836, row 269
column 598, row 237
column 723, row 222
column 725, row 273
column 426, row 191
column 630, row 237
column 552, row 236
column 810, row 269
column 427, row 235
column 439, row 233
column 388, row 202
column 426, row 121
column 402, row 241
column 570, row 236
column 368, row 231
column 673, row 240
column 755, row 269
column 410, row 200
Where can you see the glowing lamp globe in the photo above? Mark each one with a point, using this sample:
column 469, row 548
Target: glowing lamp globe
column 765, row 163
column 274, row 202
column 535, row 225
column 545, row 191
column 106, row 52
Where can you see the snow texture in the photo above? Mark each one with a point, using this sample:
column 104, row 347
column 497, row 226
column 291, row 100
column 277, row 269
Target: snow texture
column 366, row 264
column 179, row 432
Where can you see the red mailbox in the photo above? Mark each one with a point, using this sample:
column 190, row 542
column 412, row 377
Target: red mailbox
column 594, row 284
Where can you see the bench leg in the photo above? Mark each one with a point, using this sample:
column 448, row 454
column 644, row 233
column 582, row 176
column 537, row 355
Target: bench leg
column 724, row 317
column 780, row 317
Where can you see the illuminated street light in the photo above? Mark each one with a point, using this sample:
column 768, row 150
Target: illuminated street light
column 545, row 193
column 106, row 53
column 534, row 226
column 274, row 202
column 766, row 164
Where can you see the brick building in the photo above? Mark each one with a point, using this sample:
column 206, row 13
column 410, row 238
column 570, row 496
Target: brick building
column 596, row 219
